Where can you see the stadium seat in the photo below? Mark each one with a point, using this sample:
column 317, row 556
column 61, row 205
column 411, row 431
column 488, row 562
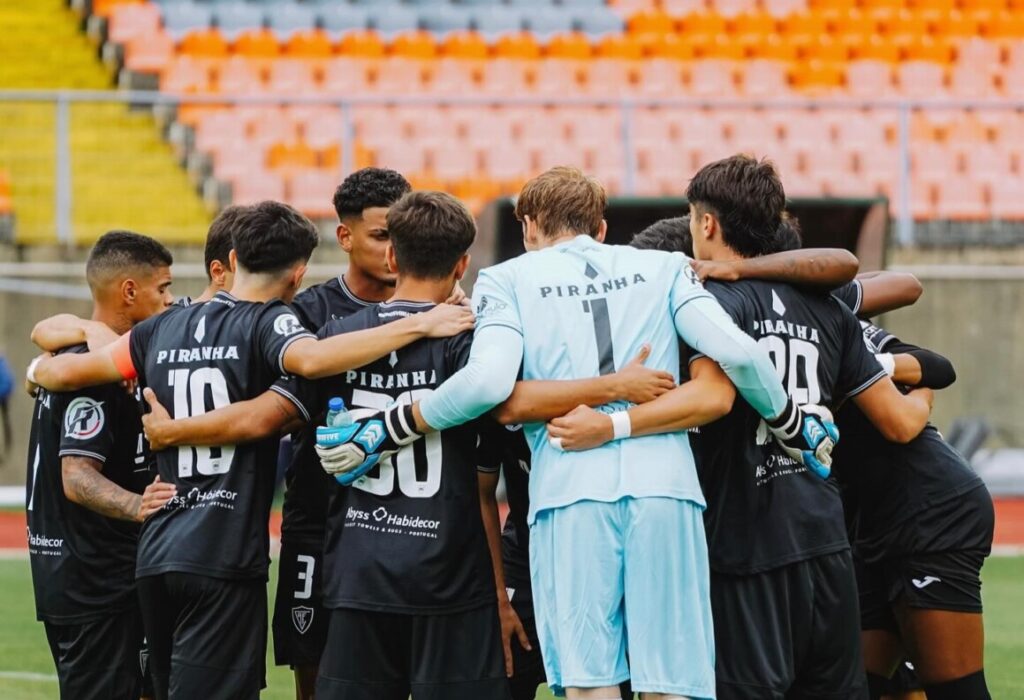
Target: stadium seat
column 394, row 19
column 453, row 161
column 495, row 21
column 127, row 21
column 344, row 76
column 311, row 191
column 712, row 78
column 185, row 74
column 659, row 77
column 401, row 157
column 451, row 76
column 762, row 78
column 288, row 18
column 256, row 43
column 444, row 19
column 257, row 186
column 181, row 18
column 399, row 76
column 1007, row 199
column 933, row 161
column 417, row 44
column 290, row 76
column 239, row 76
column 338, row 19
column 233, row 18
column 517, row 45
column 569, row 45
column 961, row 198
column 921, row 79
column 555, row 76
column 545, row 22
column 309, row 44
column 362, row 43
column 608, row 77
column 207, row 42
column 651, row 22
column 598, row 22
column 149, row 54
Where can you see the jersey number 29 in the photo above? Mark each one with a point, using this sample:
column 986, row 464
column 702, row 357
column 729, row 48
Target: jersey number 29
column 190, row 391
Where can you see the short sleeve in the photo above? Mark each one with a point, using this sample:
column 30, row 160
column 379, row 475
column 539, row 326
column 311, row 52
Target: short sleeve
column 851, row 294
column 494, row 300
column 859, row 368
column 686, row 285
column 276, row 329
column 302, row 392
column 140, row 340
column 877, row 338
column 310, row 309
column 493, row 445
column 457, row 351
column 87, row 424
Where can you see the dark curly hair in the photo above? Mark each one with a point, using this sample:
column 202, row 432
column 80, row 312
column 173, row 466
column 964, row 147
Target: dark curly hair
column 670, row 235
column 369, row 187
column 271, row 237
column 746, row 196
column 118, row 251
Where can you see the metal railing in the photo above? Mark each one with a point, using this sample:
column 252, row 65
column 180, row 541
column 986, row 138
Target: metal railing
column 62, row 100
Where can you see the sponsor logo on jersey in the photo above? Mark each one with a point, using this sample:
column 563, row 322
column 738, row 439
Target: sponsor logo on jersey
column 925, row 582
column 691, row 274
column 198, row 498
column 302, row 618
column 287, row 324
column 488, row 306
column 43, row 542
column 514, row 428
column 380, row 519
column 84, row 418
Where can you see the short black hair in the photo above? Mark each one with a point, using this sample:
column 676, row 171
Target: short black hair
column 747, row 198
column 218, row 239
column 271, row 237
column 670, row 235
column 369, row 187
column 788, row 236
column 118, row 251
column 429, row 231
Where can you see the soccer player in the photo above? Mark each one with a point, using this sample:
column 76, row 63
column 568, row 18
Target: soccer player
column 87, row 495
column 300, row 620
column 599, row 552
column 782, row 585
column 408, row 576
column 203, row 558
column 217, row 255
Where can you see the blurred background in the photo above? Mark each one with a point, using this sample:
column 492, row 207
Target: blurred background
column 897, row 127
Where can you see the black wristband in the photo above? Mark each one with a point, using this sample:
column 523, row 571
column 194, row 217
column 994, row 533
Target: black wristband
column 936, row 371
column 787, row 422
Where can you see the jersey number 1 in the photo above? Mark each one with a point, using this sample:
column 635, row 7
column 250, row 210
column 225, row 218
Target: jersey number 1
column 598, row 308
column 191, row 389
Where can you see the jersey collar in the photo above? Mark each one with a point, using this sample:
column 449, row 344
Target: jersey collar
column 350, row 294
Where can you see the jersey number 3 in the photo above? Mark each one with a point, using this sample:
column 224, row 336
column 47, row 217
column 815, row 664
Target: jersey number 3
column 191, row 390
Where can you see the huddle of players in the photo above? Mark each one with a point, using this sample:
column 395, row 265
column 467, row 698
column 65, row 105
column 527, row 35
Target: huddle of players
column 421, row 616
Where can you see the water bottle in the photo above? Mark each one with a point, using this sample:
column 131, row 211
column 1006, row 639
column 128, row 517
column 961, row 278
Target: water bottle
column 337, row 415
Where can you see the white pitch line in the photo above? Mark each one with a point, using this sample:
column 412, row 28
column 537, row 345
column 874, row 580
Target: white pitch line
column 28, row 676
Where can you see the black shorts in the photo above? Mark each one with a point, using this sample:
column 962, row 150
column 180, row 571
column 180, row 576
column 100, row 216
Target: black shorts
column 791, row 632
column 300, row 620
column 919, row 577
column 528, row 664
column 207, row 637
column 98, row 660
column 387, row 656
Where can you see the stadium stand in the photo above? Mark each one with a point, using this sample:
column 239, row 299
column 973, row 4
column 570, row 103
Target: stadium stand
column 868, row 49
column 130, row 181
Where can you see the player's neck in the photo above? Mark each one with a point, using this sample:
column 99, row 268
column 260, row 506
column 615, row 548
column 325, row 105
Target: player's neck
column 115, row 319
column 548, row 242
column 366, row 287
column 207, row 294
column 258, row 288
column 725, row 254
column 433, row 291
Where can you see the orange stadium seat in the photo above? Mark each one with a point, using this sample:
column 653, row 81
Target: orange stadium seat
column 651, row 22
column 104, row 8
column 257, row 43
column 704, row 23
column 517, row 45
column 872, row 48
column 292, row 155
column 465, row 45
column 754, row 23
column 671, row 46
column 775, row 48
column 813, row 23
column 363, row 43
column 817, row 76
column 239, row 76
column 621, row 46
column 574, row 45
column 186, row 74
column 398, row 76
column 207, row 42
column 416, row 44
column 1004, row 24
column 309, row 43
column 869, row 78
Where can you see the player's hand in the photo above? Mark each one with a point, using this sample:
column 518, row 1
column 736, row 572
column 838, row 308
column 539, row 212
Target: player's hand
column 511, row 626
column 807, row 434
column 157, row 423
column 348, row 452
column 582, row 428
column 31, row 388
column 639, row 384
column 458, row 297
column 154, row 498
column 445, row 320
column 715, row 270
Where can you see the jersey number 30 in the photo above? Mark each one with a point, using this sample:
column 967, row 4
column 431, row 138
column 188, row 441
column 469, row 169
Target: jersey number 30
column 191, row 390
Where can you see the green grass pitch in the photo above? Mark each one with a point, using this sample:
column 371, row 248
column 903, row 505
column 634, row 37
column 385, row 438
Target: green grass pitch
column 26, row 671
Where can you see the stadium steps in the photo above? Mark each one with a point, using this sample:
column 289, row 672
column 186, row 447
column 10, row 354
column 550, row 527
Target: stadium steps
column 123, row 173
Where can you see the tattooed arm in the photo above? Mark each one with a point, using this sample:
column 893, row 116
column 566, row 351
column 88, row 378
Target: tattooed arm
column 85, row 485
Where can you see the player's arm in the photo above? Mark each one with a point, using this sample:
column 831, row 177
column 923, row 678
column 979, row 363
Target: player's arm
column 813, row 267
column 487, row 482
column 898, row 417
column 63, row 330
column 540, row 400
column 916, row 366
column 71, row 371
column 311, row 358
column 267, row 415
column 708, row 396
column 886, row 291
column 85, row 485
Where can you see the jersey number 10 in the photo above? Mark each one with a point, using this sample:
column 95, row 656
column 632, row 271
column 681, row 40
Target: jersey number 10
column 190, row 391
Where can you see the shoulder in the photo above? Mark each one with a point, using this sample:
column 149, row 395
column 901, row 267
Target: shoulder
column 364, row 318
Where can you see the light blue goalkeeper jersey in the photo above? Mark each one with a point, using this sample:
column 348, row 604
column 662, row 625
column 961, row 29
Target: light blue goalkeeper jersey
column 583, row 309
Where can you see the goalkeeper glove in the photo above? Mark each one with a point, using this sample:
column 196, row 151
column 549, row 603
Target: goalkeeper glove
column 807, row 434
column 348, row 452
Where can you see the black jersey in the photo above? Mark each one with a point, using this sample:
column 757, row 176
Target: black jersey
column 198, row 359
column 504, row 448
column 851, row 294
column 765, row 509
column 307, row 485
column 886, row 484
column 183, row 302
column 407, row 537
column 83, row 563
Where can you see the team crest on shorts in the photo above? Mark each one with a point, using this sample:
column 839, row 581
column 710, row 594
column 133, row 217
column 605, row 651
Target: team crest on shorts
column 302, row 618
